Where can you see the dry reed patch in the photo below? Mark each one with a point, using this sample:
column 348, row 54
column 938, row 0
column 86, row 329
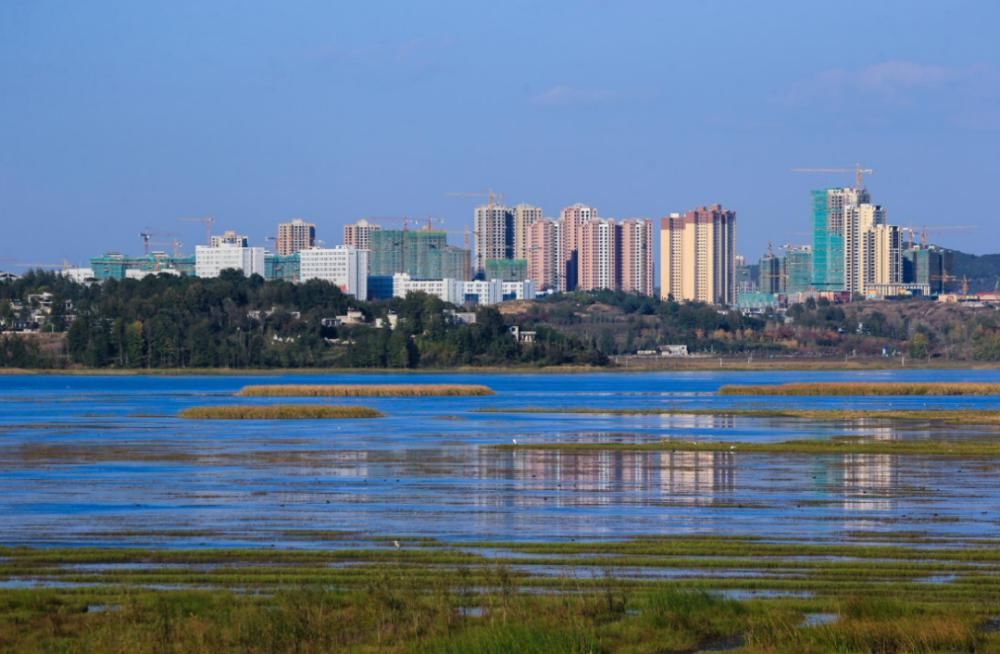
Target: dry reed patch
column 365, row 390
column 278, row 412
column 865, row 388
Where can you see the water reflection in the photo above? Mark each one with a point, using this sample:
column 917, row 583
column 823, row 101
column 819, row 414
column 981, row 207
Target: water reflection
column 869, row 482
column 609, row 477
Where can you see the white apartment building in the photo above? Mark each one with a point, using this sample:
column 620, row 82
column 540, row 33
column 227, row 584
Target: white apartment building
column 344, row 266
column 210, row 261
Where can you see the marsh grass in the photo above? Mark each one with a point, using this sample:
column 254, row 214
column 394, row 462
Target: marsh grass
column 278, row 412
column 411, row 600
column 946, row 416
column 365, row 390
column 864, row 388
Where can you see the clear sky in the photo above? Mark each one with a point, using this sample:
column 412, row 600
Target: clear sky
column 115, row 116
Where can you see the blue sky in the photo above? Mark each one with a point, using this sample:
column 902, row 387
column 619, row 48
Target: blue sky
column 116, row 116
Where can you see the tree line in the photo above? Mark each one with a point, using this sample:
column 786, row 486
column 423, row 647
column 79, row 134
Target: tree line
column 233, row 321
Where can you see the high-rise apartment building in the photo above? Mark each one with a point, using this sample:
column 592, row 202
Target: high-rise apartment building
column 358, row 234
column 797, row 269
column 770, row 274
column 598, row 255
column 571, row 220
column 422, row 254
column 635, row 260
column 887, row 255
column 926, row 265
column 493, row 225
column 830, row 215
column 859, row 221
column 697, row 255
column 525, row 216
column 544, row 255
column 294, row 236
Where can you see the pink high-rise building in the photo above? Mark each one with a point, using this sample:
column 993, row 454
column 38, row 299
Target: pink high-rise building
column 543, row 254
column 635, row 242
column 571, row 220
column 598, row 258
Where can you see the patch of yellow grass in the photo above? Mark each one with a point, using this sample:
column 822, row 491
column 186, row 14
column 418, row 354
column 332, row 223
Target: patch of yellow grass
column 866, row 388
column 278, row 412
column 364, row 390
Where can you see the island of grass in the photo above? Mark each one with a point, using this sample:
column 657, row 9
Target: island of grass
column 278, row 412
column 944, row 416
column 365, row 390
column 864, row 388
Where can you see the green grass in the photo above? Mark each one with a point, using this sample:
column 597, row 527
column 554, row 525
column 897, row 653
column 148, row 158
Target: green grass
column 278, row 412
column 946, row 416
column 411, row 600
column 865, row 389
column 365, row 390
column 966, row 448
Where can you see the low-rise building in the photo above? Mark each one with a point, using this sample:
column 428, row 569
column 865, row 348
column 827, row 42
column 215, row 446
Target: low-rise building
column 211, row 261
column 345, row 266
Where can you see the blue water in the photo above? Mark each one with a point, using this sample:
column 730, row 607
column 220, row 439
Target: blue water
column 104, row 460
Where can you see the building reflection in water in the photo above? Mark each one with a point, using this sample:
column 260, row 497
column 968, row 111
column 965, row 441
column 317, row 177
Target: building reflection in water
column 574, row 478
column 869, row 482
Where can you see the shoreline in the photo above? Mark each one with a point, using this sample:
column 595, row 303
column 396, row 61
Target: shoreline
column 694, row 364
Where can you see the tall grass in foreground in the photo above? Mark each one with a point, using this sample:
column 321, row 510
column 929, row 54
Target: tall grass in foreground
column 365, row 390
column 865, row 388
column 278, row 412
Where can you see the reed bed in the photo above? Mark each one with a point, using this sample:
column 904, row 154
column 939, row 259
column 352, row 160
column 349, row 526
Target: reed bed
column 865, row 388
column 365, row 390
column 278, row 412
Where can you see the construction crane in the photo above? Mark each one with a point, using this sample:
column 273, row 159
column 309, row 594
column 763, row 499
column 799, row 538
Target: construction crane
column 858, row 171
column 492, row 198
column 925, row 230
column 207, row 221
column 146, row 235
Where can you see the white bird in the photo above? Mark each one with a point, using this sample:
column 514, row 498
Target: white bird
column 514, row 440
column 395, row 544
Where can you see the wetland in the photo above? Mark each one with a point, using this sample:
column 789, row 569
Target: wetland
column 618, row 513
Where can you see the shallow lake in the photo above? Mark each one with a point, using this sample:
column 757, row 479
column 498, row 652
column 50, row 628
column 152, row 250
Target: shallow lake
column 104, row 461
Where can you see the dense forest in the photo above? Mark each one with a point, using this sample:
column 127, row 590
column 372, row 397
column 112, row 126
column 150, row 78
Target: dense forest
column 238, row 322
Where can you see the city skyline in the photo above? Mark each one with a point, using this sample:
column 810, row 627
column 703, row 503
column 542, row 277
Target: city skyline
column 133, row 116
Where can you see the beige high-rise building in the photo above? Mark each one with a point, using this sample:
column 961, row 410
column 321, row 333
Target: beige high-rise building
column 636, row 259
column 525, row 216
column 886, row 252
column 294, row 236
column 358, row 234
column 571, row 220
column 598, row 255
column 494, row 234
column 697, row 252
column 543, row 254
column 859, row 221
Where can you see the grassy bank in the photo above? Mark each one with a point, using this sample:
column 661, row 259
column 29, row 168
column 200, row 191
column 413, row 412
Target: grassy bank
column 365, row 390
column 865, row 389
column 966, row 449
column 278, row 412
column 949, row 416
column 430, row 597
